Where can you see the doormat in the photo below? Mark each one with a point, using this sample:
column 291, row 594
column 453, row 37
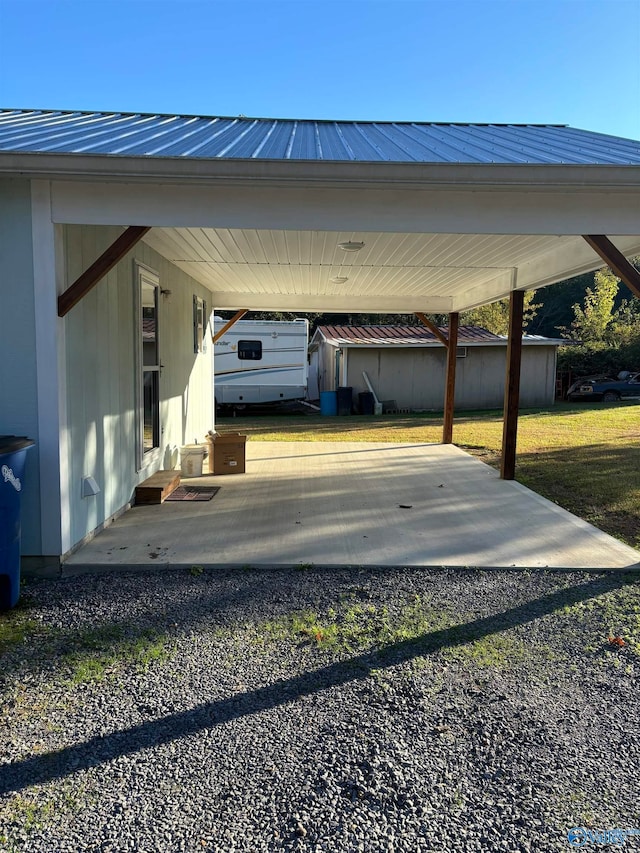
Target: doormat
column 193, row 493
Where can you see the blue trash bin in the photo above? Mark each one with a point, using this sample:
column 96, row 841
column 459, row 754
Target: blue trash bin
column 13, row 454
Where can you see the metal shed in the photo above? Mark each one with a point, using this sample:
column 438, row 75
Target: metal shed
column 407, row 366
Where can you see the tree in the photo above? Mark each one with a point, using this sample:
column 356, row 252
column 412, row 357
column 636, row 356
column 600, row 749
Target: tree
column 594, row 318
column 609, row 327
column 605, row 316
column 555, row 310
column 494, row 317
column 625, row 328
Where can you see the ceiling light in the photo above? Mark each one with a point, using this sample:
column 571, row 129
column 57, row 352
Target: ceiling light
column 350, row 246
column 340, row 279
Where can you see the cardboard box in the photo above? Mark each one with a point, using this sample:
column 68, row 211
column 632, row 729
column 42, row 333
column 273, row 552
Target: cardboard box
column 226, row 453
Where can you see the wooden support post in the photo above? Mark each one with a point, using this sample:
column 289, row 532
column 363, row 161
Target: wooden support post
column 99, row 268
column 450, row 387
column 616, row 260
column 512, row 386
column 451, row 343
column 237, row 316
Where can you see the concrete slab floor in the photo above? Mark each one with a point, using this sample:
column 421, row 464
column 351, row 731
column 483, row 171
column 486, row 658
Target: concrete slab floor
column 348, row 503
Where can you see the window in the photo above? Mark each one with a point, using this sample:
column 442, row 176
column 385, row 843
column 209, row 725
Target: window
column 199, row 324
column 461, row 352
column 250, row 350
column 148, row 363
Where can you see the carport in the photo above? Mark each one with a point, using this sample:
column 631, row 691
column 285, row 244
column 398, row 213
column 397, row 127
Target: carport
column 278, row 215
column 325, row 503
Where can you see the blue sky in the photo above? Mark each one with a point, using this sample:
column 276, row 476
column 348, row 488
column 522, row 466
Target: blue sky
column 571, row 62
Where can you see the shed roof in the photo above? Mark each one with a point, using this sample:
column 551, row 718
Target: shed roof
column 215, row 137
column 417, row 336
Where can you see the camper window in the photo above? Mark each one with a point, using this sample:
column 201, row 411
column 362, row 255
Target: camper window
column 250, row 350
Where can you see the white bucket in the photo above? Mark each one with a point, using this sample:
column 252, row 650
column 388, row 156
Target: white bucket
column 191, row 456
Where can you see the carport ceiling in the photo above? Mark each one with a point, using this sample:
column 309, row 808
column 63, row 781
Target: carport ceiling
column 402, row 272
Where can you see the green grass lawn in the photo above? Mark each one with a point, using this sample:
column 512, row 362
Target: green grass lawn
column 584, row 457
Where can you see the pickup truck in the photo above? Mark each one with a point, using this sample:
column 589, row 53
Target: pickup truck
column 605, row 388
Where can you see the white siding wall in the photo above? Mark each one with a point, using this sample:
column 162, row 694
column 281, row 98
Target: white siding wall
column 415, row 378
column 18, row 379
column 100, row 357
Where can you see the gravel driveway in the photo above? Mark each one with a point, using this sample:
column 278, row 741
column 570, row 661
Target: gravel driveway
column 320, row 710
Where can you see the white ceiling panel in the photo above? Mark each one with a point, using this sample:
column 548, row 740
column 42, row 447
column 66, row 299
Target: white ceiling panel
column 415, row 271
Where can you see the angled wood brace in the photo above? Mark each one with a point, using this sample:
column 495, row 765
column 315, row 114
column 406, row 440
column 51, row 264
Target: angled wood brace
column 99, row 268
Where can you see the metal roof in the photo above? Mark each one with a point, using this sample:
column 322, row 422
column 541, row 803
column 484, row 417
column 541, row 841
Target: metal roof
column 412, row 336
column 203, row 137
column 401, row 335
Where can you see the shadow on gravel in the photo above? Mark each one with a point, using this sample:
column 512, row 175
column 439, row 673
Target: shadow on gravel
column 97, row 750
column 51, row 647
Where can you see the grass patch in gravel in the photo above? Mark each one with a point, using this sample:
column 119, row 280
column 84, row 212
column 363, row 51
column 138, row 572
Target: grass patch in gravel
column 616, row 614
column 495, row 651
column 99, row 652
column 15, row 629
column 77, row 655
column 16, row 626
column 356, row 627
column 37, row 810
column 29, row 812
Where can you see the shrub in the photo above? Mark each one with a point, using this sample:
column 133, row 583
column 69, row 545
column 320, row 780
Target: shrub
column 599, row 357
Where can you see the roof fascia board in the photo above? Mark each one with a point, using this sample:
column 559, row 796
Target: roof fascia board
column 575, row 258
column 484, row 294
column 228, row 301
column 318, row 334
column 490, row 291
column 537, row 177
column 570, row 259
column 396, row 209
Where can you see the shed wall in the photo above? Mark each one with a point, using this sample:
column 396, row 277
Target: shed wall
column 415, row 377
column 326, row 367
column 101, row 377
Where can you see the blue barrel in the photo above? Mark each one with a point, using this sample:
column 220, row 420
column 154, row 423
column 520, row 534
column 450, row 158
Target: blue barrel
column 328, row 403
column 13, row 455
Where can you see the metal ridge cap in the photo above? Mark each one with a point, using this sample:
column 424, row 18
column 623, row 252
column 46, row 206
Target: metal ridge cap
column 537, row 342
column 312, row 120
column 535, row 177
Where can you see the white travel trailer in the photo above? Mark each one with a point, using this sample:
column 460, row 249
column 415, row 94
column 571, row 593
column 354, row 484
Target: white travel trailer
column 260, row 361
